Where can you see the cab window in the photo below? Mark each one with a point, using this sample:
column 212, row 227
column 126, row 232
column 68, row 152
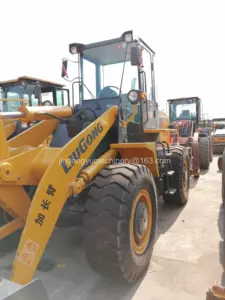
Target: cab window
column 59, row 98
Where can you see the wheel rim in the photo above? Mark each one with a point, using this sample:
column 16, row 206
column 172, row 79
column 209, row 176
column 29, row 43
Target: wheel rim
column 141, row 222
column 185, row 176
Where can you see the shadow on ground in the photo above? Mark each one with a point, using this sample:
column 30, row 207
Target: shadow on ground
column 193, row 182
column 168, row 215
column 204, row 172
column 71, row 276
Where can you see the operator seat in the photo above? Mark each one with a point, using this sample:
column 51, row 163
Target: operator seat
column 107, row 92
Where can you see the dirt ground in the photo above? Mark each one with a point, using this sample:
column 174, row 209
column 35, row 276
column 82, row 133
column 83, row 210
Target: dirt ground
column 187, row 256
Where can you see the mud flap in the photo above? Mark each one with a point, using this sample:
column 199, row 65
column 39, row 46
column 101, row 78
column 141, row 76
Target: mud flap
column 12, row 291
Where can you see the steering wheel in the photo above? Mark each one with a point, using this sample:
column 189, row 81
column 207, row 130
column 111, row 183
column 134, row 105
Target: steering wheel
column 47, row 103
column 108, row 92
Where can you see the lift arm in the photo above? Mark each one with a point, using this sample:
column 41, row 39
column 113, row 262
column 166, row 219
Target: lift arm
column 52, row 192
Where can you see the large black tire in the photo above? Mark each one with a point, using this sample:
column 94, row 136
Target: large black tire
column 204, row 153
column 108, row 237
column 211, row 149
column 180, row 163
column 223, row 177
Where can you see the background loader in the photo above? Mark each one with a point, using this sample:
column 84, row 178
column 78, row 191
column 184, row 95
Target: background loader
column 218, row 136
column 30, row 91
column 185, row 115
column 205, row 127
column 33, row 92
column 104, row 173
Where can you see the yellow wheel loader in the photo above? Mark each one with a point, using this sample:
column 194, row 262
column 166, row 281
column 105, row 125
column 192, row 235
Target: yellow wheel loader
column 107, row 177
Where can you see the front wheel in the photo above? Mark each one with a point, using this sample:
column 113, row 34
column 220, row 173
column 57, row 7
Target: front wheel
column 120, row 221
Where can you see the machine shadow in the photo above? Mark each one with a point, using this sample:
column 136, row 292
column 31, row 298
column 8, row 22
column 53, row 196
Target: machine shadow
column 168, row 215
column 204, row 172
column 92, row 286
column 75, row 277
column 193, row 182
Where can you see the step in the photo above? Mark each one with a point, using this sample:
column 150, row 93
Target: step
column 170, row 191
column 168, row 154
column 170, row 173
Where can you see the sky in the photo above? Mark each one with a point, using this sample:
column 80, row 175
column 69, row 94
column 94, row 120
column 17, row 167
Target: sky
column 187, row 36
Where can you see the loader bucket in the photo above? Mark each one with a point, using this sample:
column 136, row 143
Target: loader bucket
column 12, row 291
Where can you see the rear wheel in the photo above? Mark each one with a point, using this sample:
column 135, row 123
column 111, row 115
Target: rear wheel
column 120, row 221
column 180, row 163
column 204, row 153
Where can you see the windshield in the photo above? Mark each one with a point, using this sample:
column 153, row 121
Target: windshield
column 182, row 111
column 103, row 70
column 14, row 92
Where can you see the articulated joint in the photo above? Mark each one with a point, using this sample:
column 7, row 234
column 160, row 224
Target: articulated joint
column 6, row 172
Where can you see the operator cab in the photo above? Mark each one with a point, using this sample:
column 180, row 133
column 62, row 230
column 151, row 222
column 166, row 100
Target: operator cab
column 106, row 72
column 185, row 109
column 31, row 91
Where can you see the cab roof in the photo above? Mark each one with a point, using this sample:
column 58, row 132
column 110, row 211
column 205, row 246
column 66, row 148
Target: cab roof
column 30, row 80
column 184, row 98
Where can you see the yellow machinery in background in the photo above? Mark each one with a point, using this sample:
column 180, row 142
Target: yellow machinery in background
column 30, row 91
column 106, row 177
column 218, row 135
column 10, row 125
column 164, row 123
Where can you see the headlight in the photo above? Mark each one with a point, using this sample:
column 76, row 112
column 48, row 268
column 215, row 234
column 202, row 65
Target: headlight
column 133, row 96
column 128, row 37
column 73, row 50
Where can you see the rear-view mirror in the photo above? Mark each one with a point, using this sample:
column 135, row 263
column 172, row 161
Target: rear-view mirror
column 64, row 68
column 37, row 92
column 135, row 56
